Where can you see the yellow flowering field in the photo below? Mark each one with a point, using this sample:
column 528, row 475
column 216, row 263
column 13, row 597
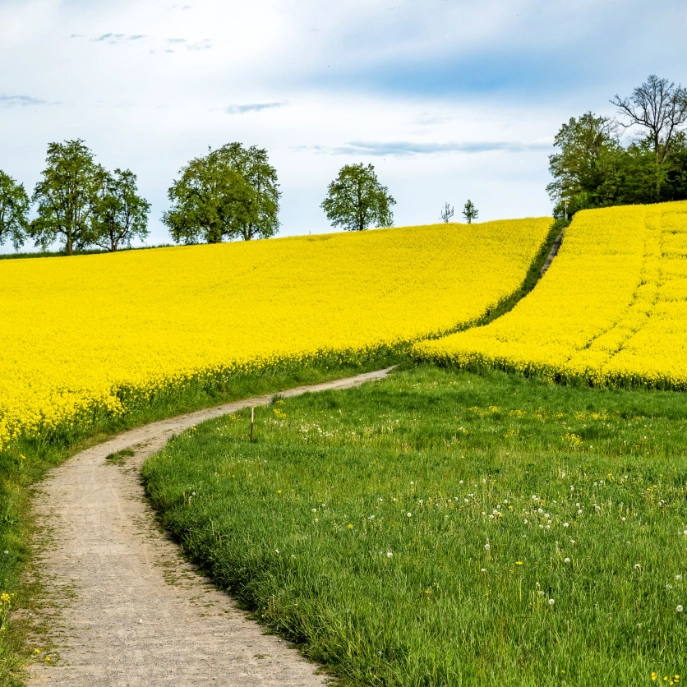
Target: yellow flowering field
column 89, row 332
column 612, row 307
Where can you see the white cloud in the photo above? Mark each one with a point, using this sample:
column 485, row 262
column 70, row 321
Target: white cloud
column 449, row 99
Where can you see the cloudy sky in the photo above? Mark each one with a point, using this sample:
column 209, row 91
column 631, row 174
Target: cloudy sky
column 449, row 99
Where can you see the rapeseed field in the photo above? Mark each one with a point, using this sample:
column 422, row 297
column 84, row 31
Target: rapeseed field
column 97, row 333
column 612, row 308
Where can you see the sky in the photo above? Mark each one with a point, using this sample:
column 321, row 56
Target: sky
column 448, row 99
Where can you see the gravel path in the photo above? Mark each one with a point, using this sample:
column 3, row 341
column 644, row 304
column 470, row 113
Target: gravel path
column 122, row 605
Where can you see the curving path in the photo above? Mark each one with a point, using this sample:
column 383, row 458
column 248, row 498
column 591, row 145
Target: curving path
column 122, row 605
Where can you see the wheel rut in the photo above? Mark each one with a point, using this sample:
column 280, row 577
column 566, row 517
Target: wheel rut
column 122, row 606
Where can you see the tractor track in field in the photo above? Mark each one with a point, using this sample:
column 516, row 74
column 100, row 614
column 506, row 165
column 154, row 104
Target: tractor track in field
column 553, row 252
column 122, row 606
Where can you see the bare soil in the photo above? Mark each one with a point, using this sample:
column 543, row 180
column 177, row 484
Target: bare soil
column 120, row 604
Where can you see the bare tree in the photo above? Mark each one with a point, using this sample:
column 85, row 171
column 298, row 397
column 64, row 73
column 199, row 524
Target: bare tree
column 447, row 212
column 660, row 108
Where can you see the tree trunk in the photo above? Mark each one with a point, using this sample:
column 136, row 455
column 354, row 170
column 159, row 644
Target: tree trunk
column 69, row 244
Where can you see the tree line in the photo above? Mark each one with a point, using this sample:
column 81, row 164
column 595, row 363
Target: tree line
column 228, row 194
column 77, row 201
column 595, row 167
column 233, row 192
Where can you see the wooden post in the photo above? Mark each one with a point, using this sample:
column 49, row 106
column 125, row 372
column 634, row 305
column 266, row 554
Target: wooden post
column 252, row 422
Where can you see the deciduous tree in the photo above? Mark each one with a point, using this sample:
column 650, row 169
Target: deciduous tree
column 120, row 214
column 66, row 197
column 447, row 212
column 231, row 192
column 355, row 199
column 14, row 209
column 660, row 108
column 586, row 171
column 470, row 212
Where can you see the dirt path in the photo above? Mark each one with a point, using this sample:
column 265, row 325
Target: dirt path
column 553, row 252
column 123, row 607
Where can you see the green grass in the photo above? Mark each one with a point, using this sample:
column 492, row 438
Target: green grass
column 531, row 278
column 27, row 461
column 119, row 457
column 413, row 532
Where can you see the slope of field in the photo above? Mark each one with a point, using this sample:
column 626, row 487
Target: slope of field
column 612, row 308
column 91, row 333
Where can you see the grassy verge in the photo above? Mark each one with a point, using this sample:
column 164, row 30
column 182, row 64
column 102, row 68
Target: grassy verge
column 27, row 461
column 449, row 528
column 531, row 278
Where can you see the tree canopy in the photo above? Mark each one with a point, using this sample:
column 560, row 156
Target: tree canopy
column 355, row 199
column 120, row 215
column 660, row 108
column 82, row 204
column 14, row 209
column 66, row 196
column 231, row 192
column 594, row 167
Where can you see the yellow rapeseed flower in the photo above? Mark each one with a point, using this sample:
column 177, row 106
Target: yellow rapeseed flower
column 98, row 332
column 612, row 307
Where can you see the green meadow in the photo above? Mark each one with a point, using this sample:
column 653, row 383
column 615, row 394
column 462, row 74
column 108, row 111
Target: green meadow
column 445, row 527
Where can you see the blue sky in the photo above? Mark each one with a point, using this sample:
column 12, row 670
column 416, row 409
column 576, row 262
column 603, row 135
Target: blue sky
column 449, row 99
